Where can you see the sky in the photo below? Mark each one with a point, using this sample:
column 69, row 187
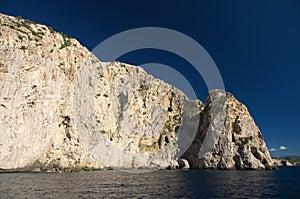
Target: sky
column 255, row 45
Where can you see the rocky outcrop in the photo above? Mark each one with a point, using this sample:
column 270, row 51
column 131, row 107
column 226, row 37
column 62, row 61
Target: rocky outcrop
column 183, row 163
column 282, row 162
column 228, row 137
column 62, row 109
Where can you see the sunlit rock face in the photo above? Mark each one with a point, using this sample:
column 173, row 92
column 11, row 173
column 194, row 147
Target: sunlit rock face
column 282, row 162
column 62, row 109
column 228, row 137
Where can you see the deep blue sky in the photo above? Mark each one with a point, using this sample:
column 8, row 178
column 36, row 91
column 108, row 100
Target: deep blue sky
column 255, row 44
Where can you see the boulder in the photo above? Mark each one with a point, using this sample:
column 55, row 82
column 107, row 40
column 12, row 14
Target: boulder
column 183, row 164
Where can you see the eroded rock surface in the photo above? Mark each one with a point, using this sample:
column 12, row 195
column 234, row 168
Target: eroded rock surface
column 62, row 109
column 228, row 137
column 282, row 162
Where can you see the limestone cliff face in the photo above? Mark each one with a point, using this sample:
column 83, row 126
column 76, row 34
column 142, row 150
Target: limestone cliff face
column 61, row 108
column 228, row 137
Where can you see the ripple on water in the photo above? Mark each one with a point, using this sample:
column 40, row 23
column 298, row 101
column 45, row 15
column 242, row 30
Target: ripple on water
column 157, row 184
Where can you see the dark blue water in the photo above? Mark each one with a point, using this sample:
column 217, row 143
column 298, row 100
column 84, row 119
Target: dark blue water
column 283, row 183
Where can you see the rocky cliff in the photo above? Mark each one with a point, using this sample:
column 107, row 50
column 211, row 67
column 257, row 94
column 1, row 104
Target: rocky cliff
column 63, row 109
column 282, row 162
column 227, row 137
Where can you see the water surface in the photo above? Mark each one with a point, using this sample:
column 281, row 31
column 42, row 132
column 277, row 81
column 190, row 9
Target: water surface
column 283, row 183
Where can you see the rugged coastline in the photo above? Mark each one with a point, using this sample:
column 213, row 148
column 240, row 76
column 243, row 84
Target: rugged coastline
column 64, row 110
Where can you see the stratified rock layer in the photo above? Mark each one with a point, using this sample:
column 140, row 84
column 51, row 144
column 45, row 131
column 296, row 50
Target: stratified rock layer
column 63, row 109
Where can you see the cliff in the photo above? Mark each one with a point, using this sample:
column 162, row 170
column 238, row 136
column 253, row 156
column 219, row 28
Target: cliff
column 280, row 163
column 62, row 109
column 228, row 137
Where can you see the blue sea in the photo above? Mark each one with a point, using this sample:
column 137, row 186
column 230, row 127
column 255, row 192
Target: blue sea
column 282, row 183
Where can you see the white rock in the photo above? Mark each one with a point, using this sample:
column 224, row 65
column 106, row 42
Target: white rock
column 73, row 111
column 228, row 137
column 183, row 164
column 62, row 109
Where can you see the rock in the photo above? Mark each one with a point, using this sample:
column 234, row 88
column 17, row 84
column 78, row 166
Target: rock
column 282, row 162
column 228, row 137
column 277, row 162
column 64, row 110
column 287, row 163
column 183, row 164
column 173, row 165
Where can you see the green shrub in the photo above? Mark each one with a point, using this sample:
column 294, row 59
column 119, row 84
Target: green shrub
column 26, row 25
column 37, row 34
column 66, row 43
column 29, row 21
column 51, row 29
column 20, row 37
column 169, row 127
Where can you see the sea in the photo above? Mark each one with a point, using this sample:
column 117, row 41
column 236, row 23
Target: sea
column 282, row 183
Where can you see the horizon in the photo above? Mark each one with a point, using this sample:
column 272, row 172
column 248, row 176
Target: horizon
column 252, row 51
